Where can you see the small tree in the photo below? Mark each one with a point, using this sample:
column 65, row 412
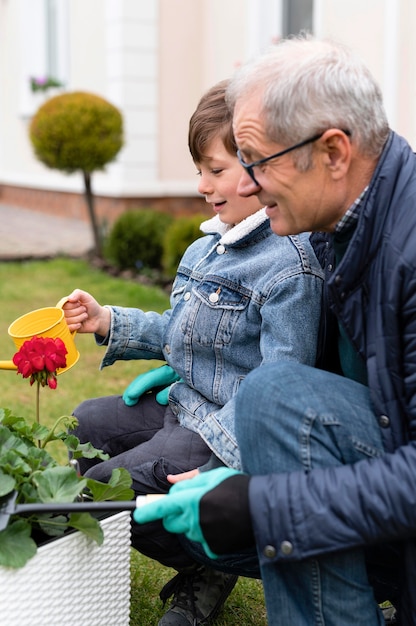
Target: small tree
column 78, row 131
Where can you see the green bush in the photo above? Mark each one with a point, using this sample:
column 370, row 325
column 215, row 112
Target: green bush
column 135, row 240
column 76, row 131
column 180, row 234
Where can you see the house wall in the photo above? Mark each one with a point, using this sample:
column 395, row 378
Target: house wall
column 382, row 32
column 154, row 60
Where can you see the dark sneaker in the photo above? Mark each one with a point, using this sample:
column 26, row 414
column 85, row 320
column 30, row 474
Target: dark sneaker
column 198, row 596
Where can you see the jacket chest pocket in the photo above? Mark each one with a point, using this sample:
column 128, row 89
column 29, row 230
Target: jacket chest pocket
column 214, row 312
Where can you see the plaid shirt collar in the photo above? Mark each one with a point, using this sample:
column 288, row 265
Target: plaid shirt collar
column 352, row 214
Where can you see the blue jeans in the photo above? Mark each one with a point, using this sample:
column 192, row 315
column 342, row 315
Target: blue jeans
column 293, row 417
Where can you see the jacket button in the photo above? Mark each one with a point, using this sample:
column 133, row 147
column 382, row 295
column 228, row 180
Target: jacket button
column 286, row 547
column 269, row 552
column 330, row 267
column 186, row 296
column 338, row 279
column 213, row 297
column 220, row 249
column 167, row 348
column 384, row 421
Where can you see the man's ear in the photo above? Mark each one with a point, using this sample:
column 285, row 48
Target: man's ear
column 337, row 151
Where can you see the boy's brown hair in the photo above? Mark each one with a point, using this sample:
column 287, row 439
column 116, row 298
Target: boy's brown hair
column 211, row 119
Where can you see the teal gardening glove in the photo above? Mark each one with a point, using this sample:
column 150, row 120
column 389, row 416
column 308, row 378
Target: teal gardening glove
column 180, row 510
column 162, row 376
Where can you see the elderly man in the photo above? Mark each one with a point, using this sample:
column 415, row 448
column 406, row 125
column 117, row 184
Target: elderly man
column 329, row 453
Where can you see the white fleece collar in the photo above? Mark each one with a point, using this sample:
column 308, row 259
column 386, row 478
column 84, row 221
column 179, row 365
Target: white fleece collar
column 232, row 234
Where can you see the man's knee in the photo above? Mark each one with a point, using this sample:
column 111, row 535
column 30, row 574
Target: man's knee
column 260, row 385
column 266, row 392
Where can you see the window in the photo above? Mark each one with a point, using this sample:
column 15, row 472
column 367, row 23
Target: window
column 270, row 20
column 297, row 16
column 56, row 32
column 44, row 44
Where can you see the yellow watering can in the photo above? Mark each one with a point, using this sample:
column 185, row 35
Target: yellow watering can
column 46, row 322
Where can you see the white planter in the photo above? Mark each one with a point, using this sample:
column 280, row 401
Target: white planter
column 72, row 581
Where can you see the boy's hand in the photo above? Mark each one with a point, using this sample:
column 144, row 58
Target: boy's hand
column 84, row 314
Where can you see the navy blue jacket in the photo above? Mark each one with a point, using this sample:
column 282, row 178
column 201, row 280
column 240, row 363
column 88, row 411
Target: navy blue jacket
column 373, row 293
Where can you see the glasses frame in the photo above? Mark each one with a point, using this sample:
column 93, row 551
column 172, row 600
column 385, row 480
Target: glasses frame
column 249, row 166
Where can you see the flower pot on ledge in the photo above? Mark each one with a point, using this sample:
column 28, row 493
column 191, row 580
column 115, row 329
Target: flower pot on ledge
column 72, row 580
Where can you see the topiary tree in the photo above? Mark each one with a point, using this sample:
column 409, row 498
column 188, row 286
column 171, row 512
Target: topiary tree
column 78, row 131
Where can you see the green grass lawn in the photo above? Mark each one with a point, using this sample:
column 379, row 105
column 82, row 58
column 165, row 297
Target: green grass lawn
column 31, row 285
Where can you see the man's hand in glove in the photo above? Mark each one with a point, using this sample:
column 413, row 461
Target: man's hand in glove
column 162, row 376
column 212, row 509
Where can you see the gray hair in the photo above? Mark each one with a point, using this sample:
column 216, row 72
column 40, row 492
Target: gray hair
column 309, row 86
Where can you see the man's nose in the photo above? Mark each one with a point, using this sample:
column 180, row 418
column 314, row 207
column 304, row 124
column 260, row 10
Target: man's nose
column 246, row 186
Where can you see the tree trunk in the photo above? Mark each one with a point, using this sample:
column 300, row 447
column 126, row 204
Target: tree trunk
column 90, row 204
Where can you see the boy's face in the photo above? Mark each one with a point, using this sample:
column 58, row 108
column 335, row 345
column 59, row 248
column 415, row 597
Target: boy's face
column 219, row 174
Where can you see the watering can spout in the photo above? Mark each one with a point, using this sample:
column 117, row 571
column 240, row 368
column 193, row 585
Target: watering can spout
column 46, row 322
column 7, row 365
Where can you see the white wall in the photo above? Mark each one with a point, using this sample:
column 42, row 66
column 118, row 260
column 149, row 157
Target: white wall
column 382, row 32
column 154, row 59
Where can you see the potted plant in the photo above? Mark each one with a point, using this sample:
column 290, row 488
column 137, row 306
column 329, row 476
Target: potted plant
column 44, row 83
column 47, row 570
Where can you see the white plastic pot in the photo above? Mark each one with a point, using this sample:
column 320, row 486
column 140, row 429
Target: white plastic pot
column 72, row 581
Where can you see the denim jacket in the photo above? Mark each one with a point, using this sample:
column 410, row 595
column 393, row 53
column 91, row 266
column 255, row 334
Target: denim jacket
column 242, row 296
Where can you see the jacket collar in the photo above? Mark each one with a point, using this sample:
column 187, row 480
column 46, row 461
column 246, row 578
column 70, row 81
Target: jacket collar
column 232, row 234
column 395, row 166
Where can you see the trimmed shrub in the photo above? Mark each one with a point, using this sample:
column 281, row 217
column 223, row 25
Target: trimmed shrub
column 76, row 131
column 180, row 234
column 135, row 240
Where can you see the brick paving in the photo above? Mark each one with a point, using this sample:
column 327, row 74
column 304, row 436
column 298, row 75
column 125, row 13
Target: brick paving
column 26, row 234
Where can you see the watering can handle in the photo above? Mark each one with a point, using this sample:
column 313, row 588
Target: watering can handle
column 60, row 305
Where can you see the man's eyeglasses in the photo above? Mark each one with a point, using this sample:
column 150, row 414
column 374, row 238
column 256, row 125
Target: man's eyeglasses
column 249, row 166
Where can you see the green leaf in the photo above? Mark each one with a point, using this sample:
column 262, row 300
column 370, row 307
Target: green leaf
column 117, row 488
column 59, row 484
column 88, row 525
column 39, row 432
column 4, row 413
column 39, row 459
column 16, row 545
column 85, row 450
column 53, row 525
column 23, row 428
column 14, row 464
column 9, row 441
column 7, row 483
